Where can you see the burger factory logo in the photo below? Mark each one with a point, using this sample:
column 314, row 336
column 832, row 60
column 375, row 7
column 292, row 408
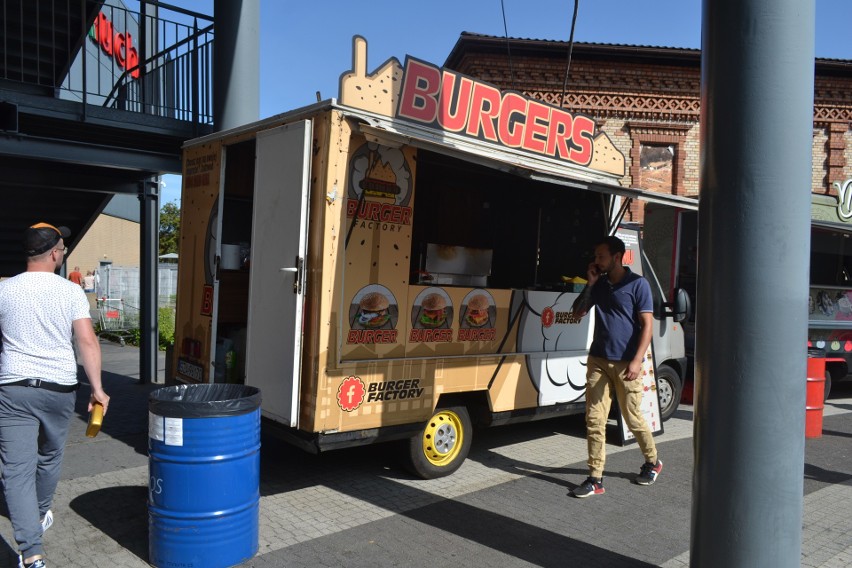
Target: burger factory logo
column 431, row 317
column 350, row 393
column 550, row 317
column 379, row 191
column 373, row 315
column 547, row 317
column 477, row 323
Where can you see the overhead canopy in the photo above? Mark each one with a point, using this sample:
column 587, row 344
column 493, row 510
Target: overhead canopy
column 395, row 133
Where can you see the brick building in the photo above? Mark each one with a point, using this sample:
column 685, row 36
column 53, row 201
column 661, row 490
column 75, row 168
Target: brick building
column 647, row 99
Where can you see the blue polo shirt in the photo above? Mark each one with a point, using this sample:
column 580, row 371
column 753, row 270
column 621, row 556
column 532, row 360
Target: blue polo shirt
column 617, row 328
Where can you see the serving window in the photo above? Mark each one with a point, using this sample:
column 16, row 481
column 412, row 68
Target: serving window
column 476, row 226
column 831, row 258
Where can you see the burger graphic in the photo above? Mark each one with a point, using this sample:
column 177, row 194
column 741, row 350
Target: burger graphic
column 380, row 172
column 477, row 311
column 373, row 310
column 380, row 180
column 433, row 312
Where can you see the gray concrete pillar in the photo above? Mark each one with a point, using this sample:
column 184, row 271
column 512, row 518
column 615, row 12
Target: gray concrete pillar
column 757, row 85
column 236, row 63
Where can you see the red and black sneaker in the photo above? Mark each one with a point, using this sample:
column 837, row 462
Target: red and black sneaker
column 649, row 472
column 592, row 486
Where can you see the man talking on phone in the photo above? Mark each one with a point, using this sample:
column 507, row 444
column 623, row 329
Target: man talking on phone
column 623, row 328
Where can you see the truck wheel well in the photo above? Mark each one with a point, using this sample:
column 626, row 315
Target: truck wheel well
column 476, row 403
column 678, row 368
column 838, row 369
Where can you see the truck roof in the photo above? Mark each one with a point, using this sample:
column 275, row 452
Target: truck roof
column 398, row 132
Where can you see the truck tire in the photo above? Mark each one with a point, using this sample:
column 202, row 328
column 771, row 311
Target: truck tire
column 443, row 444
column 669, row 387
column 827, row 386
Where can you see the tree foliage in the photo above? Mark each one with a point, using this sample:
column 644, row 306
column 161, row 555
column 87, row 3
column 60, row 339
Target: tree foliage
column 169, row 227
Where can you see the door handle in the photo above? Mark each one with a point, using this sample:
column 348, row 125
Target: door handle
column 297, row 270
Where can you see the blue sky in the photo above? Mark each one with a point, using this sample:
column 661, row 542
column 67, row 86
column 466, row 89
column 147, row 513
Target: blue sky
column 306, row 45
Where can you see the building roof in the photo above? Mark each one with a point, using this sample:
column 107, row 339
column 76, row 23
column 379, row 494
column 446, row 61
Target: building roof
column 470, row 42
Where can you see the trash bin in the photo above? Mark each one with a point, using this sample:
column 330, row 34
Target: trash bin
column 204, row 475
column 815, row 393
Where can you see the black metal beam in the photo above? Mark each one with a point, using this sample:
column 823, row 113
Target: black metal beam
column 21, row 146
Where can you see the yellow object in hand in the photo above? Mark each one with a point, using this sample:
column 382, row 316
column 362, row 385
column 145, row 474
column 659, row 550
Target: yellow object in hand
column 96, row 418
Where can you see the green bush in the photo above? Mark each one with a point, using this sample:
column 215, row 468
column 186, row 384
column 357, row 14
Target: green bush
column 166, row 325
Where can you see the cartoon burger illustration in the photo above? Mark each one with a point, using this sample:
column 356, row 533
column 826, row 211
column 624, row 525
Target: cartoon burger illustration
column 373, row 310
column 477, row 311
column 434, row 310
column 380, row 180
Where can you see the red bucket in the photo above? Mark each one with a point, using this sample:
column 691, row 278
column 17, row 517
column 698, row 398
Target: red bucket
column 815, row 396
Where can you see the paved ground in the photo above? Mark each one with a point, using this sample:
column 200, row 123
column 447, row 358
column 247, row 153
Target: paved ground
column 506, row 506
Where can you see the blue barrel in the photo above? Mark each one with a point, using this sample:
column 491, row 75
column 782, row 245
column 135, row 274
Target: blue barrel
column 204, row 475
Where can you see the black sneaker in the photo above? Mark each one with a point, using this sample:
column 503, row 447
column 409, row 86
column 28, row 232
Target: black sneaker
column 649, row 472
column 592, row 486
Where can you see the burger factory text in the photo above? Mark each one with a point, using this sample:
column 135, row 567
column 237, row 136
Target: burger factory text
column 394, row 390
column 381, row 212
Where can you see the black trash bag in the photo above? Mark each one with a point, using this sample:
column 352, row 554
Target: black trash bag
column 204, row 401
column 814, row 353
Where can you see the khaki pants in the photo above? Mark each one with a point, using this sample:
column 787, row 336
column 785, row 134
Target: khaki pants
column 600, row 375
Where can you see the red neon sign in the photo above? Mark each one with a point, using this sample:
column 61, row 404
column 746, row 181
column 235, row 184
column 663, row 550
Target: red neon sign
column 116, row 44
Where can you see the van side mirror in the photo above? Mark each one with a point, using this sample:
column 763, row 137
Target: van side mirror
column 680, row 309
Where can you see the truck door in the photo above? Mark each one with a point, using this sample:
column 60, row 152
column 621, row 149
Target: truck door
column 276, row 283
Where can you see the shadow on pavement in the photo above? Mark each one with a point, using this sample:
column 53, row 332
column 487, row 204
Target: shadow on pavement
column 121, row 513
column 836, row 433
column 127, row 416
column 544, row 529
column 822, row 475
column 8, row 555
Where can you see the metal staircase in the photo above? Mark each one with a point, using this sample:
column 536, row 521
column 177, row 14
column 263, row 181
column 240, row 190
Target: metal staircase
column 41, row 38
column 94, row 99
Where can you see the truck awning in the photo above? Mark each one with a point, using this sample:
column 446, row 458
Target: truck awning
column 831, row 226
column 396, row 133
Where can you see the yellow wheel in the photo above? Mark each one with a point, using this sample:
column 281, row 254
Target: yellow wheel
column 442, row 445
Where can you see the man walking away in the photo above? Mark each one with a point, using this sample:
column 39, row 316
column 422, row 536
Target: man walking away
column 40, row 312
column 623, row 328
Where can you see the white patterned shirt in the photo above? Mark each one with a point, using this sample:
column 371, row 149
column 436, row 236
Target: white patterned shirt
column 37, row 311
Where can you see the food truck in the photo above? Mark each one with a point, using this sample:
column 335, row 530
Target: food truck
column 671, row 239
column 830, row 298
column 400, row 263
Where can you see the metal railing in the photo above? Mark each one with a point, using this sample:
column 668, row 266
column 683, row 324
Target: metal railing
column 102, row 53
column 176, row 81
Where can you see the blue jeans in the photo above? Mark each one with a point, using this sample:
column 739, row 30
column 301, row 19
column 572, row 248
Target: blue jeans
column 33, row 429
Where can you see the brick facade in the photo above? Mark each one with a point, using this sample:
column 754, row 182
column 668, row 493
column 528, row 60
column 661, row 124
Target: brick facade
column 650, row 95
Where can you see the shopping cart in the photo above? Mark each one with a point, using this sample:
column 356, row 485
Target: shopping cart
column 112, row 319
